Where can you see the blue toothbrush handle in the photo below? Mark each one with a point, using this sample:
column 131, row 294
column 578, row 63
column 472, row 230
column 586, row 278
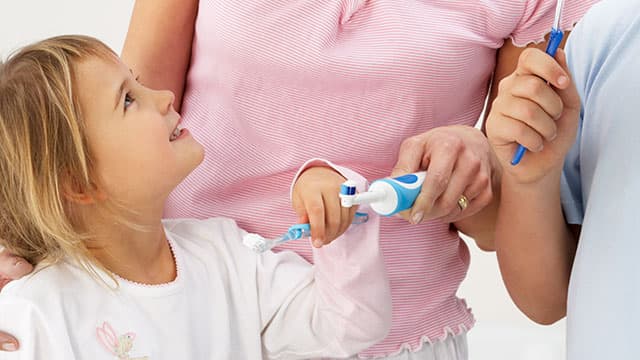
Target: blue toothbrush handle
column 299, row 231
column 552, row 47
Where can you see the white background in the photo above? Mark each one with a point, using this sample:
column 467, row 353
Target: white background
column 501, row 332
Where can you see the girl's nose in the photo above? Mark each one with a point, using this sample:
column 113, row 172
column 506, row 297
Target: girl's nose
column 165, row 99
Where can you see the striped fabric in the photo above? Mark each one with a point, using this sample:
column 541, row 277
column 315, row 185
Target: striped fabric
column 274, row 83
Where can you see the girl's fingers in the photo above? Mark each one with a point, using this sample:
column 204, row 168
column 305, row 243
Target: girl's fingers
column 314, row 206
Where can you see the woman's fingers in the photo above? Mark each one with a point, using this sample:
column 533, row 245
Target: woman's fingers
column 8, row 342
column 536, row 62
column 535, row 125
column 533, row 88
column 441, row 162
column 13, row 267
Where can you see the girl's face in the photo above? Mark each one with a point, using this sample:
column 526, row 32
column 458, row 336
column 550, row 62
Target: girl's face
column 130, row 133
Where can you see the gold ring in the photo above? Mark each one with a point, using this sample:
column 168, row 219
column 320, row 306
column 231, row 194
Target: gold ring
column 463, row 202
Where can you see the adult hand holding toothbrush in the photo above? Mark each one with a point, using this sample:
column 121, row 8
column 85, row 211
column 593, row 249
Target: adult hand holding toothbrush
column 462, row 179
column 537, row 106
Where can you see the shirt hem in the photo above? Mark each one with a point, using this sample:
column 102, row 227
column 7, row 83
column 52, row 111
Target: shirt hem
column 424, row 339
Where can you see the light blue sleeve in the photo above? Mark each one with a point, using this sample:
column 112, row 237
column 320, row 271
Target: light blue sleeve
column 571, row 182
column 571, row 185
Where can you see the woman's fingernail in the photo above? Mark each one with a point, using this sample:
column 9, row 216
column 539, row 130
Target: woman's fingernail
column 563, row 80
column 9, row 346
column 417, row 217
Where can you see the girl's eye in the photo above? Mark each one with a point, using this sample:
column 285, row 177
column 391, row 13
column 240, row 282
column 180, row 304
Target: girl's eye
column 128, row 100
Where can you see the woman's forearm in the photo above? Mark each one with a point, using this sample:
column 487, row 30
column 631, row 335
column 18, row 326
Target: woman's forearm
column 158, row 43
column 535, row 247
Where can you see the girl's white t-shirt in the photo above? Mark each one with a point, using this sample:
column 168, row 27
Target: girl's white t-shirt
column 225, row 303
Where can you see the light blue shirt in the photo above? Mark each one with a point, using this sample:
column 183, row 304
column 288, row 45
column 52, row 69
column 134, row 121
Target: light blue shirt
column 601, row 185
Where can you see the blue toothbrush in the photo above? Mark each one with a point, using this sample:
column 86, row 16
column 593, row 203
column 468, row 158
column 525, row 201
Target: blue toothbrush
column 555, row 38
column 298, row 231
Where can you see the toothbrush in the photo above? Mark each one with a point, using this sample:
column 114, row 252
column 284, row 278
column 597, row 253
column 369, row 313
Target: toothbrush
column 386, row 196
column 259, row 244
column 555, row 38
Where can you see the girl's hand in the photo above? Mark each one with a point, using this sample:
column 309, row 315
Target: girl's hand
column 537, row 106
column 316, row 201
column 459, row 162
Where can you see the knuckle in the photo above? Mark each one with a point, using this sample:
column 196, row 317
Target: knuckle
column 503, row 86
column 449, row 207
column 534, row 86
column 474, row 165
column 483, row 181
column 550, row 129
column 315, row 210
column 453, row 144
column 525, row 57
column 333, row 223
column 439, row 181
column 535, row 143
column 529, row 112
column 521, row 131
column 410, row 143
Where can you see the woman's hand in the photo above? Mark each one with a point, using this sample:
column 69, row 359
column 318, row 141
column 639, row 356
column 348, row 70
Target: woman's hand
column 11, row 268
column 316, row 201
column 460, row 169
column 537, row 106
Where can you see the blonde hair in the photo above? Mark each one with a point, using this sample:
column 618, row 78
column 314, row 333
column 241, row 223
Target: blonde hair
column 43, row 148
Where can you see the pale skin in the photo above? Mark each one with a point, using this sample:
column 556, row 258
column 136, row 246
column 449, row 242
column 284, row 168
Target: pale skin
column 535, row 246
column 122, row 113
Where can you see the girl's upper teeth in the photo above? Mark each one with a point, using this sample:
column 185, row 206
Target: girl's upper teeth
column 176, row 132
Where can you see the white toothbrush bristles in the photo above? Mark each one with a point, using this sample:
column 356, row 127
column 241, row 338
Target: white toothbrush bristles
column 256, row 243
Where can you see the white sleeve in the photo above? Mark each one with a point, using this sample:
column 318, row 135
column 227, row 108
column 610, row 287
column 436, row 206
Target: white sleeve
column 338, row 307
column 28, row 324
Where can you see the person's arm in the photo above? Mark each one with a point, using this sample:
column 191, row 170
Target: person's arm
column 158, row 43
column 535, row 248
column 537, row 106
column 340, row 306
column 481, row 226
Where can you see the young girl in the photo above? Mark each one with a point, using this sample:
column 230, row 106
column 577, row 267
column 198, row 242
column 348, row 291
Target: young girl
column 88, row 156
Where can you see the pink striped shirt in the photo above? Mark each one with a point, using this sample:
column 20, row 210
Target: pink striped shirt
column 274, row 83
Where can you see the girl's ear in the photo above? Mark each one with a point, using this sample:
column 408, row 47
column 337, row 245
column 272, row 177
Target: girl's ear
column 81, row 194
